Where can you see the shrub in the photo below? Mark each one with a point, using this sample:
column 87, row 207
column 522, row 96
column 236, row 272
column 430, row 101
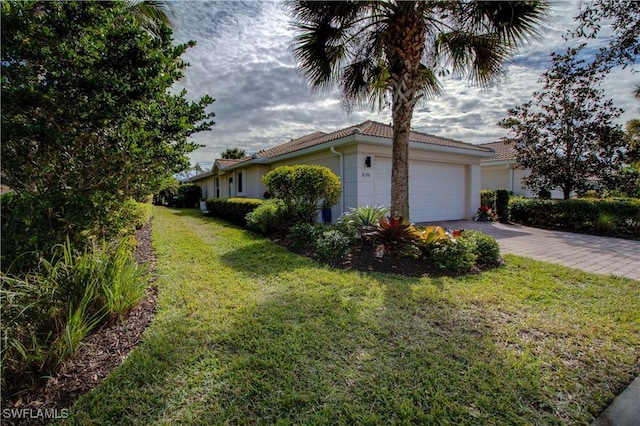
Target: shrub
column 234, row 210
column 502, row 204
column 397, row 236
column 456, row 256
column 485, row 247
column 303, row 235
column 488, row 198
column 270, row 217
column 615, row 216
column 363, row 219
column 305, row 189
column 188, row 195
column 332, row 244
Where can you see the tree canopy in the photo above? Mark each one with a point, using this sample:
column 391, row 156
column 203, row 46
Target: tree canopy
column 567, row 134
column 391, row 53
column 88, row 117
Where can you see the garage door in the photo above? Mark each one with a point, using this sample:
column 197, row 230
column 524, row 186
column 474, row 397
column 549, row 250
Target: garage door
column 436, row 190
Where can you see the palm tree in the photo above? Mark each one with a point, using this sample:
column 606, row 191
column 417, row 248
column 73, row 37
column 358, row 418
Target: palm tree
column 232, row 154
column 392, row 52
column 150, row 14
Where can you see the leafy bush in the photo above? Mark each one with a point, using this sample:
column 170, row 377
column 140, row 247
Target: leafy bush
column 271, row 216
column 332, row 244
column 456, row 256
column 304, row 189
column 502, row 204
column 234, row 210
column 363, row 219
column 189, row 195
column 397, row 236
column 48, row 312
column 488, row 198
column 580, row 215
column 303, row 235
column 485, row 247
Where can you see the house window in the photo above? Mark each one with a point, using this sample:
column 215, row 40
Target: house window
column 216, row 184
column 239, row 183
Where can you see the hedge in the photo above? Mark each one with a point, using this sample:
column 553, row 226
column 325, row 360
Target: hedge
column 232, row 209
column 620, row 217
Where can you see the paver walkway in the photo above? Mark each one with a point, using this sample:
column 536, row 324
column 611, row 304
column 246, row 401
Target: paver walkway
column 591, row 253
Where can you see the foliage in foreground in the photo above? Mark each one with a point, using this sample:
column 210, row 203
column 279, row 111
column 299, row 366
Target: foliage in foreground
column 247, row 332
column 88, row 117
column 48, row 312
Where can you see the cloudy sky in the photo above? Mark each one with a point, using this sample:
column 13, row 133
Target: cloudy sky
column 242, row 59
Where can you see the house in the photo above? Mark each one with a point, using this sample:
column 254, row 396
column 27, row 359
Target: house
column 444, row 174
column 503, row 171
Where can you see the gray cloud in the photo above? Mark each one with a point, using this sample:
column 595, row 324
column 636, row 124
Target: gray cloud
column 242, row 59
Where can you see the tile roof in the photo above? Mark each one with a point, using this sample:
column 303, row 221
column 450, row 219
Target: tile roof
column 367, row 128
column 504, row 151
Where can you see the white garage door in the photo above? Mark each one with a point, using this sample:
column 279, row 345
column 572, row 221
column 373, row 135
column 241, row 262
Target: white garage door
column 436, row 190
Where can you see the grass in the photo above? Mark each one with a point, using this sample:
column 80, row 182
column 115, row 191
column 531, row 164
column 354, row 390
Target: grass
column 248, row 333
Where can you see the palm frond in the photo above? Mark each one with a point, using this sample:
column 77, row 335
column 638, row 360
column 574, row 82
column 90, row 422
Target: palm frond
column 150, row 14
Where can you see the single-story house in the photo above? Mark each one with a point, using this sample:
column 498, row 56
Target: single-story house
column 503, row 171
column 444, row 174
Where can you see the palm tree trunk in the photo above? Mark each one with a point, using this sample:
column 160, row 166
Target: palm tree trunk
column 405, row 46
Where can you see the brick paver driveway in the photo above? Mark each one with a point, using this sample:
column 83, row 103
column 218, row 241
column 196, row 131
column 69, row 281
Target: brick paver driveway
column 591, row 253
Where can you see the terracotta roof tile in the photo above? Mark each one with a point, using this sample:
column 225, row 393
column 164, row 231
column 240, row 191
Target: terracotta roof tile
column 504, row 151
column 367, row 128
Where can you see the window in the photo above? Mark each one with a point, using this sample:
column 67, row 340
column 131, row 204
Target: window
column 216, row 184
column 239, row 183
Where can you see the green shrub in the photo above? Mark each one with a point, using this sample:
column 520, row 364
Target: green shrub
column 303, row 235
column 363, row 219
column 271, row 216
column 502, row 204
column 488, row 198
column 455, row 256
column 234, row 210
column 332, row 244
column 304, row 189
column 597, row 216
column 189, row 195
column 485, row 247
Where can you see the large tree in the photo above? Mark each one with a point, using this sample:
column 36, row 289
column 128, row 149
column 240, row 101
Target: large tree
column 88, row 118
column 392, row 52
column 566, row 135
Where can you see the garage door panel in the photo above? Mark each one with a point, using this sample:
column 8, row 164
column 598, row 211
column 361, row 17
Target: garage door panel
column 436, row 190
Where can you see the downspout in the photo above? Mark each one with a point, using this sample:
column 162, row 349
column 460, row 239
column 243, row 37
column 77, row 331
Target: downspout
column 511, row 177
column 333, row 150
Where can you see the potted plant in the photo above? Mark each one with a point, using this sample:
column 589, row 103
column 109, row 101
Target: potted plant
column 485, row 214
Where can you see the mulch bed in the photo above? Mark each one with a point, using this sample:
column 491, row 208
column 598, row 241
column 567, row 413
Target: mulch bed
column 98, row 355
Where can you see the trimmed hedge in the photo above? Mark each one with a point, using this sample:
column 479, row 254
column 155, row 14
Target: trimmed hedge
column 232, row 209
column 620, row 217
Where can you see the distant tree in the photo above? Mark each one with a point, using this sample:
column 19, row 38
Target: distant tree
column 627, row 181
column 197, row 168
column 623, row 17
column 232, row 154
column 392, row 53
column 88, row 119
column 566, row 135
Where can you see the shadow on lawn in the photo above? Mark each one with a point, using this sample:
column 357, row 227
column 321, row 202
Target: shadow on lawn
column 372, row 350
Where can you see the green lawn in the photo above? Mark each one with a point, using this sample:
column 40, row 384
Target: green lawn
column 248, row 333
